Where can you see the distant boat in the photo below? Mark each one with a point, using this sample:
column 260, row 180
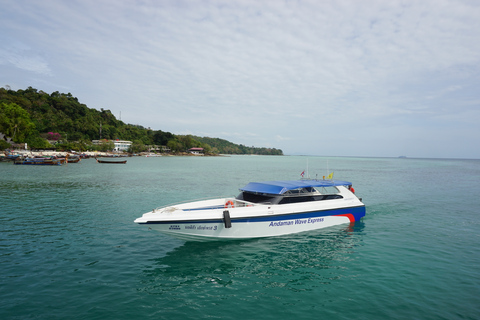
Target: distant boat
column 12, row 156
column 70, row 159
column 73, row 160
column 111, row 161
column 40, row 161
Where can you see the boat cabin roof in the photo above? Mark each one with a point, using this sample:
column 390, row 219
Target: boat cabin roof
column 280, row 187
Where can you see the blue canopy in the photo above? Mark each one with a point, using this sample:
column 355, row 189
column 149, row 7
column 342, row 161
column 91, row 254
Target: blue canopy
column 280, row 187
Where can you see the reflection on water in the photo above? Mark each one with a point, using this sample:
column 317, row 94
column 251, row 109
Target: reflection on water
column 295, row 262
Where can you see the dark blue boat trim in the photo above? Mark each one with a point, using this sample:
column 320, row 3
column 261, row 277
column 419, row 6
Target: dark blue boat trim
column 356, row 212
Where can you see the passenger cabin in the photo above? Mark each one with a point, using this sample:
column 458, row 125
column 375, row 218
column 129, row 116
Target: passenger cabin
column 298, row 195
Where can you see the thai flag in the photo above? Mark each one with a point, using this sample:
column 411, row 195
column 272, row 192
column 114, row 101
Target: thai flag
column 303, row 173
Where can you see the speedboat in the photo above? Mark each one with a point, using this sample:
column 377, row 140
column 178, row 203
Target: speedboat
column 262, row 209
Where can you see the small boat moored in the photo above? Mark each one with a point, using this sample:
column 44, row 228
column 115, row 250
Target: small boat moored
column 73, row 159
column 262, row 209
column 42, row 161
column 111, row 161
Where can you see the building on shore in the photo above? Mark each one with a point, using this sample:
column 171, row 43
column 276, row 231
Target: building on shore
column 196, row 151
column 122, row 145
column 119, row 145
column 158, row 148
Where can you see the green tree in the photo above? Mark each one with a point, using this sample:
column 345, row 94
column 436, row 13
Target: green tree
column 81, row 145
column 137, row 146
column 15, row 122
column 4, row 145
column 37, row 142
column 106, row 145
column 174, row 145
column 162, row 138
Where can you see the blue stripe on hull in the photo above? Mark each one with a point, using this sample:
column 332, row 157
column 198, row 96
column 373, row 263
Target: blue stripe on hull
column 356, row 212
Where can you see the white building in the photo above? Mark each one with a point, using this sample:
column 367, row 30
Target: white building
column 122, row 145
column 119, row 145
column 196, row 151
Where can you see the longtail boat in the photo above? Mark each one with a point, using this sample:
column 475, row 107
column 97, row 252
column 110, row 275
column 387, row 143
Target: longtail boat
column 111, row 161
column 41, row 161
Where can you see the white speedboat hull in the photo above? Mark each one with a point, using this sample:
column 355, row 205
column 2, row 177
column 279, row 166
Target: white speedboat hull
column 214, row 231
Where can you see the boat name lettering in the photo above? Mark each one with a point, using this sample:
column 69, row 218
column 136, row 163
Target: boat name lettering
column 192, row 226
column 315, row 220
column 207, row 227
column 281, row 223
column 174, row 227
column 309, row 220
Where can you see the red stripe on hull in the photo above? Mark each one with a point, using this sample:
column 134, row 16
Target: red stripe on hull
column 348, row 215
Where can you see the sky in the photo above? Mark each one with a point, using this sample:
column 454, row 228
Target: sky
column 311, row 77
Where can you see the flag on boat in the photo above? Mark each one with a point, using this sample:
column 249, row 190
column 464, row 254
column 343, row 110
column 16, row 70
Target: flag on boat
column 330, row 176
column 303, row 173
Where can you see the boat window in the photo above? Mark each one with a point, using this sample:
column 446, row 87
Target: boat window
column 327, row 190
column 293, row 196
column 300, row 191
column 299, row 199
column 257, row 197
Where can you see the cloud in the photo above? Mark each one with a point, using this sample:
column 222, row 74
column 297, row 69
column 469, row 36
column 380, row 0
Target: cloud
column 22, row 57
column 260, row 70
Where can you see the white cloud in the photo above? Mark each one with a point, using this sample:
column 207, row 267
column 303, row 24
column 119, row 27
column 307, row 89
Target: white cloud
column 260, row 70
column 22, row 57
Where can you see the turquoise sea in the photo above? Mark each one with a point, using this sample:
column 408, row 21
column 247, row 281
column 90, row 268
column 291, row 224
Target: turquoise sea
column 69, row 248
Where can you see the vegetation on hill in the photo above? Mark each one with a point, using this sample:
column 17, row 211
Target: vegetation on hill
column 35, row 117
column 228, row 147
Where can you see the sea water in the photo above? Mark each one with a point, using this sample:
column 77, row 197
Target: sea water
column 69, row 248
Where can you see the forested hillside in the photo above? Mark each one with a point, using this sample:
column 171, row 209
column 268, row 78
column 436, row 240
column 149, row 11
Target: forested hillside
column 228, row 147
column 34, row 116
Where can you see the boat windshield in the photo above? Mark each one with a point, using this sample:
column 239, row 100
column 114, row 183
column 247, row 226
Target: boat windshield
column 257, row 198
column 312, row 191
column 292, row 196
